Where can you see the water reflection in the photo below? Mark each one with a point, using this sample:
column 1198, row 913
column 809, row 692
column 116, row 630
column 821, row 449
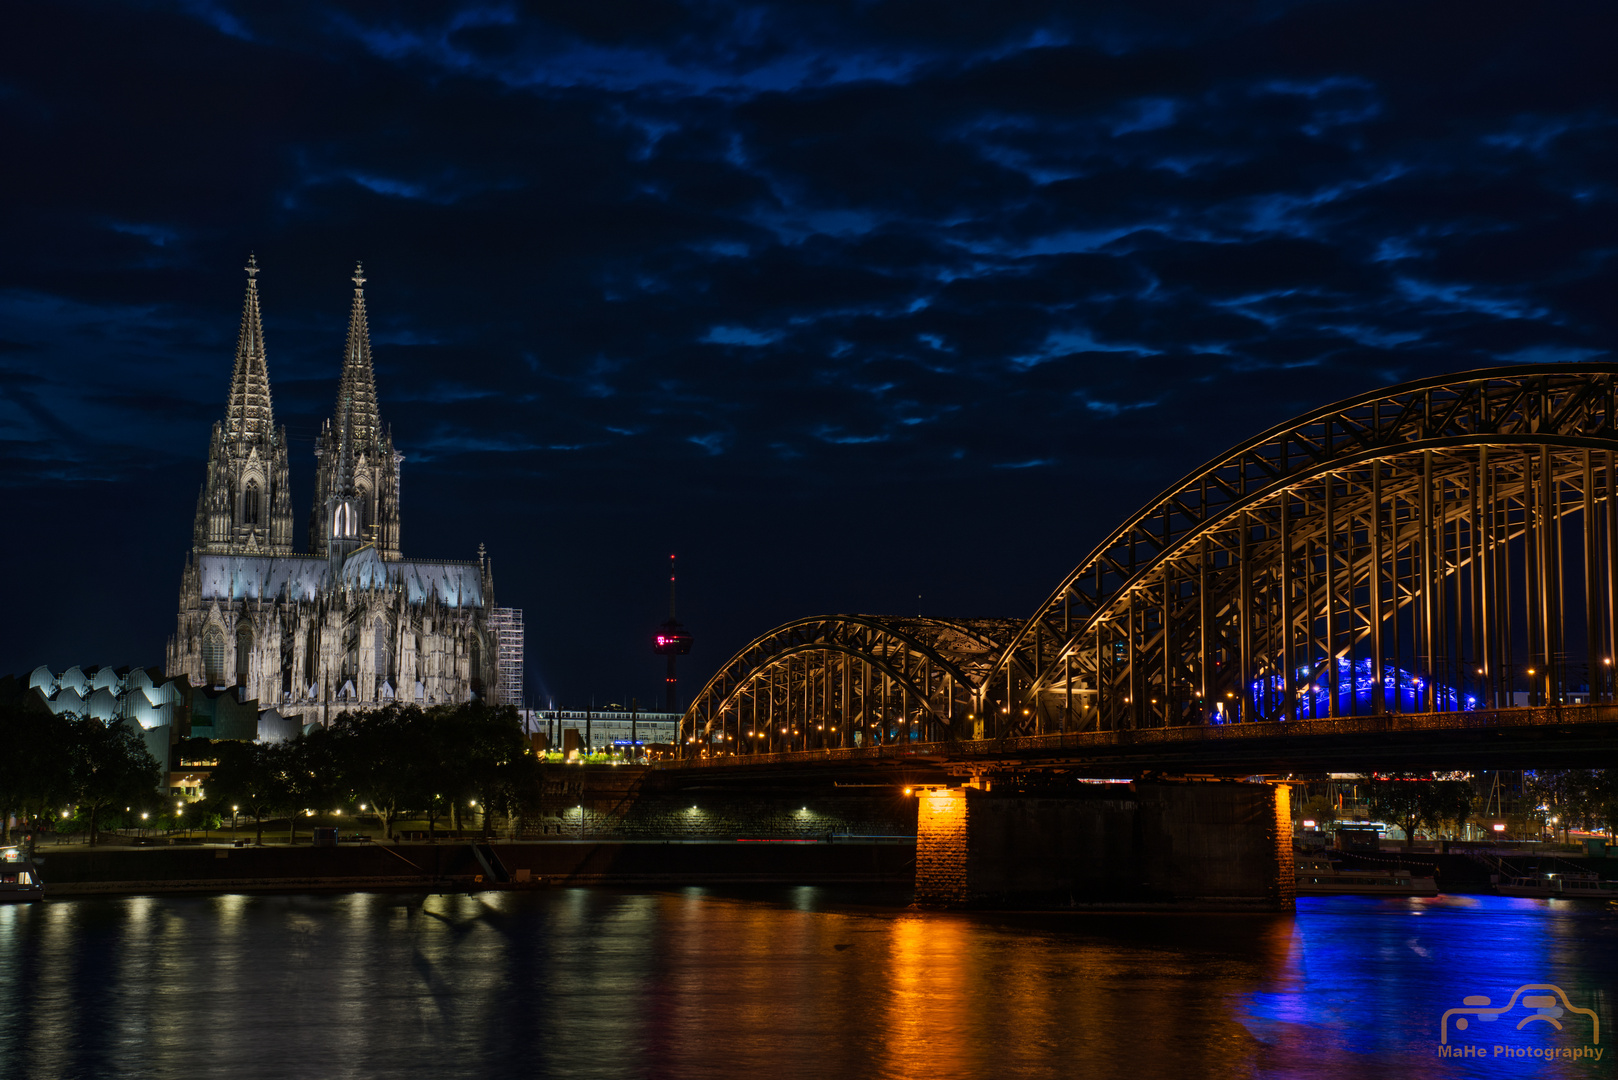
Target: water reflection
column 1379, row 974
column 773, row 985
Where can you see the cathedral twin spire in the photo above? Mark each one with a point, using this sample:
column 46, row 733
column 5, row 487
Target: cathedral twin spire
column 245, row 506
column 357, row 480
column 356, row 389
column 249, row 414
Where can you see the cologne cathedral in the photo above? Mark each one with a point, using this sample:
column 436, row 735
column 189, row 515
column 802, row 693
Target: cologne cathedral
column 352, row 624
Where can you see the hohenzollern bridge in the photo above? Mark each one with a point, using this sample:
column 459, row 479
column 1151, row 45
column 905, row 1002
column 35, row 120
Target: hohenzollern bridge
column 1421, row 576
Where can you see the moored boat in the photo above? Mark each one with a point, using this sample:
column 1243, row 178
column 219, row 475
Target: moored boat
column 1559, row 886
column 19, row 877
column 1317, row 876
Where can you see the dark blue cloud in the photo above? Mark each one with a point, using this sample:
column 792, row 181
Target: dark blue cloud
column 843, row 302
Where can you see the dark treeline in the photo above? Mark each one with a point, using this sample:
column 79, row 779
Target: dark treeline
column 48, row 762
column 1574, row 798
column 436, row 764
column 441, row 764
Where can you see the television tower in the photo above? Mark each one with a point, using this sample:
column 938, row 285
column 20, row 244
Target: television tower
column 672, row 641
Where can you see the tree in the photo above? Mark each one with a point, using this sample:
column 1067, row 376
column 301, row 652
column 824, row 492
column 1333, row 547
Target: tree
column 1607, row 800
column 386, row 756
column 1395, row 799
column 108, row 764
column 1318, row 808
column 245, row 777
column 1568, row 796
column 517, row 788
column 329, row 784
column 35, row 761
column 1446, row 800
column 1411, row 800
column 287, row 772
column 478, row 747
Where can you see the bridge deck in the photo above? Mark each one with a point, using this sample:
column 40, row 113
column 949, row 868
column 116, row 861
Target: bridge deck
column 1569, row 736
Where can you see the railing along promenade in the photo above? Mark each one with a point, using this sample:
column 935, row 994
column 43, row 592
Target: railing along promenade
column 1107, row 744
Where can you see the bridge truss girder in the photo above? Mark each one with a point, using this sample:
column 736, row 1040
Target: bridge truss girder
column 844, row 681
column 1455, row 529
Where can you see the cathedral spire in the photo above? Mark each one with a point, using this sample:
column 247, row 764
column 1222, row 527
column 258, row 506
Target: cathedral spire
column 248, row 414
column 356, row 389
column 357, row 465
column 246, row 507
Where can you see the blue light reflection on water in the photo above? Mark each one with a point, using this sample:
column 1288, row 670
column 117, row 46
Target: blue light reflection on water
column 1368, row 980
column 770, row 985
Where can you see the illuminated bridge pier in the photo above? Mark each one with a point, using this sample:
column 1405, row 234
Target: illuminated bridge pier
column 1420, row 577
column 1222, row 846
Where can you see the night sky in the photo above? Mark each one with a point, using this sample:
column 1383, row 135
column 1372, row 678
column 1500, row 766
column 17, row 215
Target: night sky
column 847, row 304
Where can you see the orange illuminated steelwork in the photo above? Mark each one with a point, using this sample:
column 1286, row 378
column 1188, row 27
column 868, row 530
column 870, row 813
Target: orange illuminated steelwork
column 1441, row 546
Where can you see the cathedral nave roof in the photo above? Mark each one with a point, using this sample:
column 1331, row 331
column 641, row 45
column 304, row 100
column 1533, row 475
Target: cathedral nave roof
column 308, row 577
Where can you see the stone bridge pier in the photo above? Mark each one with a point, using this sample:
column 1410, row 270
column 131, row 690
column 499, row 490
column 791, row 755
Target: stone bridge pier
column 1220, row 845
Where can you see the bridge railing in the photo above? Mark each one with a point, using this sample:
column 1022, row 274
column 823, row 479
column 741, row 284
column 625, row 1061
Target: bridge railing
column 1387, row 724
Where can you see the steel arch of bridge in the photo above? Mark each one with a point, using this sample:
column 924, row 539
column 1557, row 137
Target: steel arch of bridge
column 843, row 681
column 1441, row 540
column 1402, row 551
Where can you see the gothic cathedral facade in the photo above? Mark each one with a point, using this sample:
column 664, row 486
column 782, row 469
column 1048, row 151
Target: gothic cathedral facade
column 351, row 624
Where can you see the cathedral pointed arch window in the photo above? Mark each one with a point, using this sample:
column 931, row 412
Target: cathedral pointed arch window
column 250, row 503
column 213, row 656
column 244, row 653
column 475, row 656
column 384, row 653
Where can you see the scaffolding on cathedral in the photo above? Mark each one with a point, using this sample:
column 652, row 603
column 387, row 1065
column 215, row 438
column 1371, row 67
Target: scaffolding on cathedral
column 506, row 626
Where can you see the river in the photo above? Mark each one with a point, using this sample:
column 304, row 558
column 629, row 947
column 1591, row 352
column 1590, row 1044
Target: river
column 787, row 983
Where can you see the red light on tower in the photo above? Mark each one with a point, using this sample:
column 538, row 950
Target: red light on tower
column 671, row 641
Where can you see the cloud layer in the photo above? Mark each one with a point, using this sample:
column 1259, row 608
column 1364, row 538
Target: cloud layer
column 846, row 304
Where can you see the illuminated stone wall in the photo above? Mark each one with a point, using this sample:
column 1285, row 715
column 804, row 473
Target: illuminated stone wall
column 630, row 803
column 1140, row 846
column 1281, row 844
column 941, row 847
